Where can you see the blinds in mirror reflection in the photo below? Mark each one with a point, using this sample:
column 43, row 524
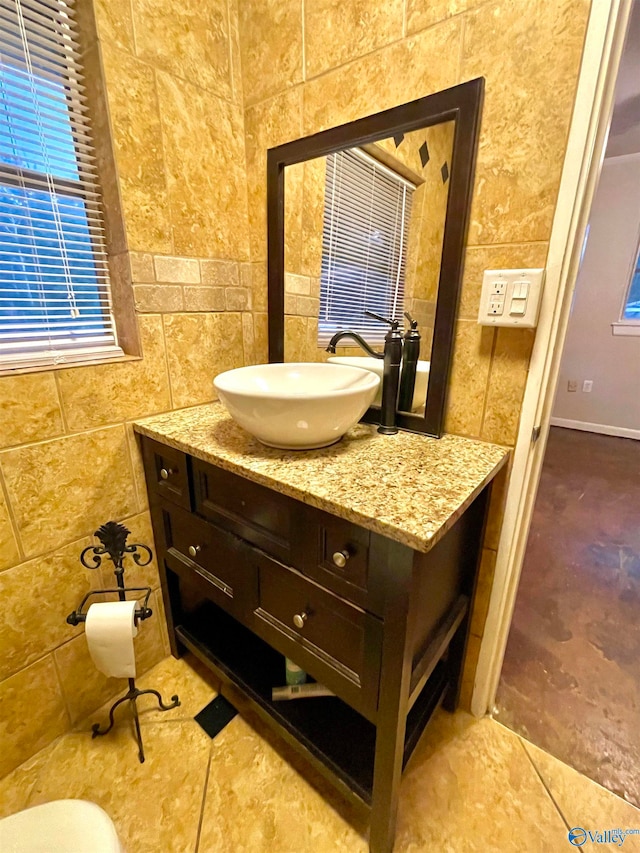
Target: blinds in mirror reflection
column 367, row 210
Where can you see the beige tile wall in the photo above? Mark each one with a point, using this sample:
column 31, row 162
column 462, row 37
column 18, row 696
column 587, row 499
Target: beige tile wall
column 68, row 458
column 309, row 66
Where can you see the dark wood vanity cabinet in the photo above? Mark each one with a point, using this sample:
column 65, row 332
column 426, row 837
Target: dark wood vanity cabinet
column 250, row 576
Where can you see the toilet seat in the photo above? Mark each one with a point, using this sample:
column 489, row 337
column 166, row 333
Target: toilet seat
column 62, row 826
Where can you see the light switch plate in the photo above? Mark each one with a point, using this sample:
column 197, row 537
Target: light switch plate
column 519, row 293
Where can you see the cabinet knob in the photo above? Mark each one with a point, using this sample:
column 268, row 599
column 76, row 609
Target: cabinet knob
column 165, row 473
column 299, row 619
column 194, row 550
column 340, row 558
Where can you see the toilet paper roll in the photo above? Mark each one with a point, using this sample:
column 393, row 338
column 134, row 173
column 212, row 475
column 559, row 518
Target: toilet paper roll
column 110, row 630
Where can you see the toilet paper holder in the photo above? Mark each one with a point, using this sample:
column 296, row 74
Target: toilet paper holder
column 141, row 613
column 113, row 543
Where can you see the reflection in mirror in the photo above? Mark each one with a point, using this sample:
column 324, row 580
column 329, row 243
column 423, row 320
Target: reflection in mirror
column 364, row 230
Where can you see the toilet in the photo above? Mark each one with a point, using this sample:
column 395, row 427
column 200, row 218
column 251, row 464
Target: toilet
column 62, row 826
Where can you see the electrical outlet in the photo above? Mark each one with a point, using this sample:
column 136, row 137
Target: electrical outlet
column 572, row 385
column 587, row 386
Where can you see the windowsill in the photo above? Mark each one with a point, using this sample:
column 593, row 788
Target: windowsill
column 627, row 329
column 42, row 368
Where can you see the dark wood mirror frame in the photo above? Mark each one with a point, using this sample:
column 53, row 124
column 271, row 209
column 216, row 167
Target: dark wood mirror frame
column 462, row 104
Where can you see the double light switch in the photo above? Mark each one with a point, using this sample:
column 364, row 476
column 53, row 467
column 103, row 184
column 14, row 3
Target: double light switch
column 510, row 297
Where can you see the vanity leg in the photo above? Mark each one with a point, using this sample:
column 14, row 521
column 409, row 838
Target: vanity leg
column 395, row 678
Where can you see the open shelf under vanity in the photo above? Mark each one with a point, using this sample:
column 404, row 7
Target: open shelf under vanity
column 340, row 740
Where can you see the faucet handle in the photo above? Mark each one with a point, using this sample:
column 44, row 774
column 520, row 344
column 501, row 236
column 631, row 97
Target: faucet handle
column 413, row 323
column 393, row 323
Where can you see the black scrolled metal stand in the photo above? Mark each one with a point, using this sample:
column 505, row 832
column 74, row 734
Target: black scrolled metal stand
column 113, row 537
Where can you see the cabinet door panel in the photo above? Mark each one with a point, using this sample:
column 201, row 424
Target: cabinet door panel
column 261, row 516
column 166, row 473
column 338, row 643
column 217, row 557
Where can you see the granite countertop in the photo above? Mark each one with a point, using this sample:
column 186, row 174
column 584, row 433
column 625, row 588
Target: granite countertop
column 407, row 487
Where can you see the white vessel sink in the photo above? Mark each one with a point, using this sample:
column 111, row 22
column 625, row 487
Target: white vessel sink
column 375, row 366
column 298, row 406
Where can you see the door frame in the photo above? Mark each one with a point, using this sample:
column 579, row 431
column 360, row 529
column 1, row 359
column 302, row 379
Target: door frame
column 589, row 129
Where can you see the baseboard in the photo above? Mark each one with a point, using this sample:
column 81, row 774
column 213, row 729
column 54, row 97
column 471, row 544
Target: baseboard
column 603, row 429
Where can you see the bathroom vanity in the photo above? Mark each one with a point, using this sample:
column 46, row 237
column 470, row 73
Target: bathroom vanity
column 357, row 561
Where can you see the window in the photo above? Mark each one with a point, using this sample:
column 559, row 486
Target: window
column 367, row 210
column 54, row 287
column 631, row 307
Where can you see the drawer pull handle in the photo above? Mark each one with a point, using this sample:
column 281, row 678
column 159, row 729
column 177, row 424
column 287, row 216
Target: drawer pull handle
column 340, row 558
column 165, row 473
column 194, row 550
column 299, row 619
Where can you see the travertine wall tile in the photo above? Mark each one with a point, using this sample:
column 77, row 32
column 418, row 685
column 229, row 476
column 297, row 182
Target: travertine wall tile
column 248, row 339
column 219, row 273
column 199, row 346
column 497, row 506
column 9, row 554
column 142, row 271
column 270, row 47
column 509, row 368
column 365, row 86
column 189, row 39
column 260, row 328
column 30, row 409
column 421, row 15
column 94, row 395
column 23, row 732
column 137, row 142
column 336, row 31
column 266, row 125
column 158, row 298
column 237, row 298
column 527, row 109
column 113, row 18
column 207, row 180
column 61, row 489
column 482, row 594
column 204, row 299
column 37, row 597
column 135, row 454
column 469, row 376
column 177, row 270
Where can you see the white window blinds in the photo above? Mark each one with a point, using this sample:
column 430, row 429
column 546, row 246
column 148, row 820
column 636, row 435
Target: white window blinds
column 54, row 287
column 367, row 210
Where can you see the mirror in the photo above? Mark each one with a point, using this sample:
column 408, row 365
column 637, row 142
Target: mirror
column 363, row 230
column 372, row 216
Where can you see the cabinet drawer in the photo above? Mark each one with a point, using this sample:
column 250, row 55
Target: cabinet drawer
column 261, row 516
column 338, row 643
column 336, row 554
column 166, row 472
column 217, row 557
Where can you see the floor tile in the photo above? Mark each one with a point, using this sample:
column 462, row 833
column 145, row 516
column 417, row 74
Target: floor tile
column 16, row 787
column 257, row 802
column 471, row 787
column 584, row 803
column 186, row 677
column 156, row 805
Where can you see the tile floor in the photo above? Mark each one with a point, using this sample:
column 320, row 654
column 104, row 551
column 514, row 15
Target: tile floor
column 571, row 680
column 470, row 786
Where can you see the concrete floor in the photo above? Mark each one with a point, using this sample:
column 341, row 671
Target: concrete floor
column 472, row 786
column 571, row 677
